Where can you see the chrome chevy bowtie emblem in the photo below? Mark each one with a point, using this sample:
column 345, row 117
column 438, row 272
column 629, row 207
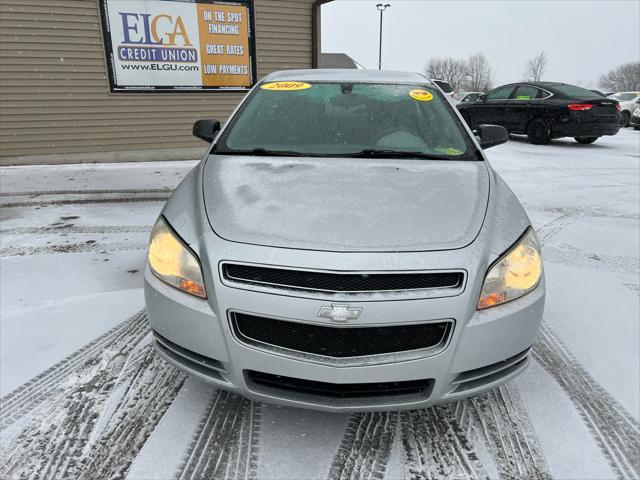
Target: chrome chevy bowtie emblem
column 339, row 313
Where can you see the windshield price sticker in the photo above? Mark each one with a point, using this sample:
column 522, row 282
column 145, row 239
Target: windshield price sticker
column 421, row 95
column 286, row 86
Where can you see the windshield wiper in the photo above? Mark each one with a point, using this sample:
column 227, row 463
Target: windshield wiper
column 385, row 153
column 277, row 153
column 366, row 153
column 262, row 152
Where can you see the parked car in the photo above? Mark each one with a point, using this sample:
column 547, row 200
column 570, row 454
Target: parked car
column 635, row 119
column 345, row 245
column 545, row 110
column 628, row 101
column 464, row 97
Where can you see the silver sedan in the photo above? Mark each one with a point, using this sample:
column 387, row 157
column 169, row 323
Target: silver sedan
column 345, row 245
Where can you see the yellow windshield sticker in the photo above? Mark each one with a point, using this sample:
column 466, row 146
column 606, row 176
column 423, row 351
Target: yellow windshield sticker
column 523, row 97
column 421, row 95
column 285, row 86
column 450, row 151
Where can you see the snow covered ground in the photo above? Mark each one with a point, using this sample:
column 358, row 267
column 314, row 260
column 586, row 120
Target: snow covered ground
column 84, row 396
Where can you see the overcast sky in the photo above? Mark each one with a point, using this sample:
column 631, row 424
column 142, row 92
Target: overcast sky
column 582, row 38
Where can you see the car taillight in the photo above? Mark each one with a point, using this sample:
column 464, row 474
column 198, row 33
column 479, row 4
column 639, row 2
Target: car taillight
column 618, row 107
column 578, row 107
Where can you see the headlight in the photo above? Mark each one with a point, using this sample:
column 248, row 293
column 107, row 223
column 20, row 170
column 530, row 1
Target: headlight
column 515, row 274
column 636, row 112
column 172, row 262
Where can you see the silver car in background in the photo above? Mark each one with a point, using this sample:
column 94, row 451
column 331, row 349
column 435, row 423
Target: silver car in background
column 464, row 97
column 344, row 245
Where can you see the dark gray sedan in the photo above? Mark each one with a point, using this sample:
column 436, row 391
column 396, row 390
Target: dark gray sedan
column 546, row 110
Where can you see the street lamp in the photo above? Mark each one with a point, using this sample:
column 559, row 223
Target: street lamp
column 382, row 8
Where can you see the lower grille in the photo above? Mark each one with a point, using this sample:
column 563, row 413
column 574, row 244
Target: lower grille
column 337, row 282
column 341, row 390
column 338, row 342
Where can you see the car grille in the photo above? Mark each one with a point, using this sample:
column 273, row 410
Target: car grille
column 339, row 282
column 340, row 390
column 338, row 342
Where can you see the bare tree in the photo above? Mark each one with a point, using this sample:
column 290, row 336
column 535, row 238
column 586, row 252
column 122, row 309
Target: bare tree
column 478, row 74
column 622, row 79
column 453, row 70
column 536, row 67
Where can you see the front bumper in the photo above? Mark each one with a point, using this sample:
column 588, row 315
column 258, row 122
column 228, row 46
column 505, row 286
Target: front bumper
column 483, row 350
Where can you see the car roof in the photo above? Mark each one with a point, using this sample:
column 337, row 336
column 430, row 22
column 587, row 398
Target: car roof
column 534, row 84
column 549, row 86
column 545, row 84
column 346, row 75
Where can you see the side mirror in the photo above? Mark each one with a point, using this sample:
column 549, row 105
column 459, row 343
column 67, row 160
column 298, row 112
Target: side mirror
column 482, row 98
column 492, row 135
column 206, row 129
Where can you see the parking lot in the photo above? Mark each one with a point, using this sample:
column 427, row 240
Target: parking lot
column 84, row 395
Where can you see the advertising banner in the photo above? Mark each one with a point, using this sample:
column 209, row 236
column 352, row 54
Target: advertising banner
column 179, row 45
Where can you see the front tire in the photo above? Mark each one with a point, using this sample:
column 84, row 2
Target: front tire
column 625, row 117
column 586, row 140
column 539, row 131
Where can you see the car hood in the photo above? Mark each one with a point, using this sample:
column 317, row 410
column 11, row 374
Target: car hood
column 338, row 204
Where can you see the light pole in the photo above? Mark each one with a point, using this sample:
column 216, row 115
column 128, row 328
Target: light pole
column 382, row 8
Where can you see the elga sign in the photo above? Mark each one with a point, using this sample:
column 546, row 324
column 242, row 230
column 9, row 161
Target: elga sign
column 179, row 45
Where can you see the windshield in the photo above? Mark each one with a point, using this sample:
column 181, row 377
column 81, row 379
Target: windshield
column 346, row 119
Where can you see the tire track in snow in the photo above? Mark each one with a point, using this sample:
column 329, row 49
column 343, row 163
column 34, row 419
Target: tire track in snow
column 436, row 447
column 72, row 248
column 588, row 211
column 437, row 441
column 616, row 432
column 154, row 385
column 501, row 420
column 76, row 229
column 52, row 381
column 226, row 443
column 366, row 446
column 554, row 226
column 113, row 403
column 574, row 257
column 565, row 254
column 85, row 192
column 45, row 203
